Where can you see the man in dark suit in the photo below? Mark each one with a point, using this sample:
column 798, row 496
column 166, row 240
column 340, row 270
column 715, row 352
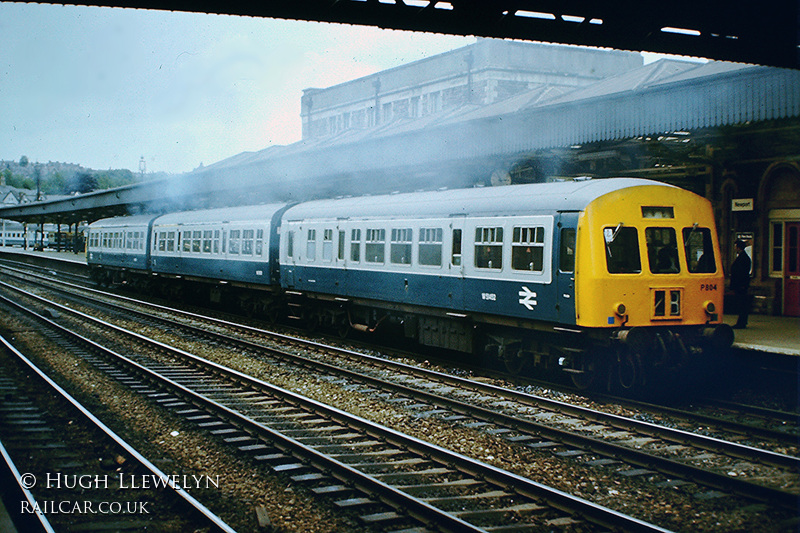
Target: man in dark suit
column 740, row 283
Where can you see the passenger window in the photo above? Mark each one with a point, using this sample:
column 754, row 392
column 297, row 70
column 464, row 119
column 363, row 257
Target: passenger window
column 196, row 239
column 489, row 248
column 699, row 250
column 566, row 256
column 622, row 250
column 355, row 245
column 340, row 255
column 259, row 242
column 430, row 246
column 375, row 246
column 456, row 248
column 235, row 238
column 162, row 241
column 400, row 248
column 247, row 241
column 662, row 250
column 187, row 241
column 216, row 241
column 327, row 245
column 527, row 249
column 207, row 241
column 311, row 245
column 290, row 244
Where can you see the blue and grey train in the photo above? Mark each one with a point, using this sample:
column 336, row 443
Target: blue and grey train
column 617, row 276
column 17, row 234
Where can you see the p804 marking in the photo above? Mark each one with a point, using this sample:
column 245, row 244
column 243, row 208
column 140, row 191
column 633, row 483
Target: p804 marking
column 708, row 286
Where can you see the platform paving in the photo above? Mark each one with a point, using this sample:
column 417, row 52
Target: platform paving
column 764, row 333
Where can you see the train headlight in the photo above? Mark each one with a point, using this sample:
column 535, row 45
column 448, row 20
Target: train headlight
column 620, row 309
column 711, row 310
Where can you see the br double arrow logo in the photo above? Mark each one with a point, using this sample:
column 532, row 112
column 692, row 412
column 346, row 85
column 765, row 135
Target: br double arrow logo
column 527, row 298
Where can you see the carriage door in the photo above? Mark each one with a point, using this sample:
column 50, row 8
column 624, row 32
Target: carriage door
column 791, row 272
column 564, row 240
column 455, row 261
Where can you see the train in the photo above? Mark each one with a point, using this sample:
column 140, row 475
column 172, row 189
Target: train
column 17, row 234
column 613, row 281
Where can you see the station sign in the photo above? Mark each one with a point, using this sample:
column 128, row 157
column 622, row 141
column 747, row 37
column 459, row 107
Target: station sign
column 742, row 204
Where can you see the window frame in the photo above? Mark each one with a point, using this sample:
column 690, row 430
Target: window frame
column 402, row 240
column 375, row 241
column 533, row 238
column 609, row 255
column 488, row 238
column 657, row 257
column 430, row 243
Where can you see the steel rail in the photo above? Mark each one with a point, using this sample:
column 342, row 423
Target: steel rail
column 38, row 521
column 710, row 420
column 630, row 455
column 647, row 428
column 593, row 512
column 216, row 522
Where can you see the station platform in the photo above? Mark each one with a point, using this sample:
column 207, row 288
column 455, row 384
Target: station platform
column 773, row 334
column 764, row 333
column 61, row 256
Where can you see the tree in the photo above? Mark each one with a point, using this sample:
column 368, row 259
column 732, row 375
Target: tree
column 81, row 182
column 23, row 161
column 54, row 184
column 19, row 182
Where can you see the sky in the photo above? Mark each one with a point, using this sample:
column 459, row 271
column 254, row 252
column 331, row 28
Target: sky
column 105, row 87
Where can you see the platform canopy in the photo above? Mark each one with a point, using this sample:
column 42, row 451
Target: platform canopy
column 764, row 32
column 463, row 146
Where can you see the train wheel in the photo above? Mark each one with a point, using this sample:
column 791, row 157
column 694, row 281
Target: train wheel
column 311, row 321
column 588, row 370
column 343, row 326
column 515, row 359
column 630, row 372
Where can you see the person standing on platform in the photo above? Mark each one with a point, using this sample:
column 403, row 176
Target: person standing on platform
column 740, row 283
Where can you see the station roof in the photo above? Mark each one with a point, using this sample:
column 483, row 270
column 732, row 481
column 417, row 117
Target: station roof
column 764, row 32
column 410, row 154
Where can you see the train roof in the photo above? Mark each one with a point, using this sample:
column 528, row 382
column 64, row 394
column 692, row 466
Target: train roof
column 223, row 214
column 116, row 222
column 508, row 200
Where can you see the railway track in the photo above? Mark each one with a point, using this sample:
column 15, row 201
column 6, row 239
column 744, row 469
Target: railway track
column 521, row 434
column 66, row 470
column 776, row 429
column 328, row 446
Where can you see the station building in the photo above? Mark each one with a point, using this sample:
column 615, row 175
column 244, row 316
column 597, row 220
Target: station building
column 485, row 73
column 730, row 132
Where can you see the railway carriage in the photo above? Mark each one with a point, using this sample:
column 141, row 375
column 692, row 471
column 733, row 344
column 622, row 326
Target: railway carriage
column 117, row 249
column 614, row 277
column 17, row 234
column 213, row 248
column 588, row 275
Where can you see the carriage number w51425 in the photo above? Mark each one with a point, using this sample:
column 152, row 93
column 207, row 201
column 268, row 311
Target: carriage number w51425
column 492, row 297
column 708, row 286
